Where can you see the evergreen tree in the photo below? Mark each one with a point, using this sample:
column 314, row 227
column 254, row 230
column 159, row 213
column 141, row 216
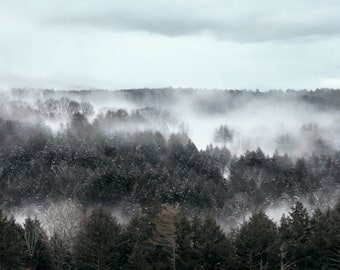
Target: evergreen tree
column 214, row 246
column 37, row 246
column 186, row 258
column 321, row 240
column 142, row 234
column 334, row 237
column 12, row 245
column 97, row 243
column 295, row 233
column 256, row 243
column 210, row 244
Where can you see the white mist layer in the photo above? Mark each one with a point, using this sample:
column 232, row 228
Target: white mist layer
column 254, row 121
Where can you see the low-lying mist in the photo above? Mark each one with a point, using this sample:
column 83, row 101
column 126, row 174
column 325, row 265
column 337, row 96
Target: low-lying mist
column 289, row 122
column 219, row 150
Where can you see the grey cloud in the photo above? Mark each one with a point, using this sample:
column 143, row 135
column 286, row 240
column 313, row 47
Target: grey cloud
column 250, row 22
column 163, row 26
column 130, row 44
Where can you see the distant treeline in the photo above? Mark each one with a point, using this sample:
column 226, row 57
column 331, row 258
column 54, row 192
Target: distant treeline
column 161, row 237
column 208, row 100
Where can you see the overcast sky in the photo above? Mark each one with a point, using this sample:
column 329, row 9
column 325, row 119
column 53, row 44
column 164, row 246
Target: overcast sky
column 114, row 44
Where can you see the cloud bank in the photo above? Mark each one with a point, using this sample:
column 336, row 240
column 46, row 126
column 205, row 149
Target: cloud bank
column 206, row 44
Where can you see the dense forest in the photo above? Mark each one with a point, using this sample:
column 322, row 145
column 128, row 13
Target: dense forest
column 70, row 160
column 162, row 237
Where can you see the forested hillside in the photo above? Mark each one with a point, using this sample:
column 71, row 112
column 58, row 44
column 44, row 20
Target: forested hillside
column 69, row 160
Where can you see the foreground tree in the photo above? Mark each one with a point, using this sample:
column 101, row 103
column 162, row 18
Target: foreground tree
column 321, row 239
column 334, row 236
column 186, row 258
column 256, row 243
column 97, row 243
column 211, row 247
column 37, row 246
column 165, row 235
column 12, row 245
column 61, row 254
column 295, row 234
column 64, row 220
column 141, row 232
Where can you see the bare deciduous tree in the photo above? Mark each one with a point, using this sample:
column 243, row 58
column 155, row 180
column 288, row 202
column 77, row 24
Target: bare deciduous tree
column 223, row 135
column 64, row 219
column 166, row 231
column 86, row 109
